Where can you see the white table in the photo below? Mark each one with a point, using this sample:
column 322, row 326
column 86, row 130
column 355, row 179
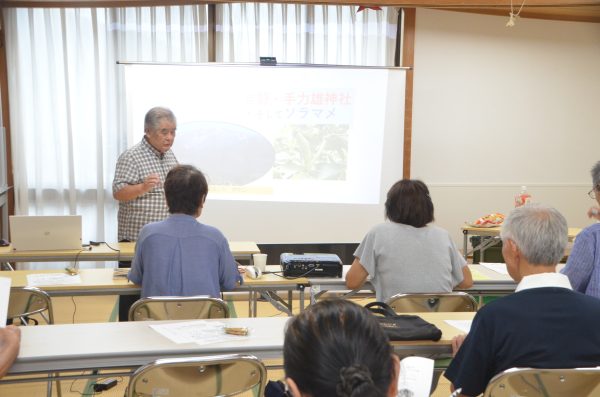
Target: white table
column 102, row 282
column 485, row 282
column 490, row 282
column 48, row 349
column 322, row 285
column 106, row 252
column 491, row 236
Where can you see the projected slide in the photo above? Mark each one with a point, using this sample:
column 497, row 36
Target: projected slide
column 288, row 134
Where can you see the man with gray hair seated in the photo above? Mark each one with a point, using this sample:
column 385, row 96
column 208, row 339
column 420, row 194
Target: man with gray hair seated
column 544, row 324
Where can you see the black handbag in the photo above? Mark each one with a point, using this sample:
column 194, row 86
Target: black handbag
column 403, row 326
column 276, row 388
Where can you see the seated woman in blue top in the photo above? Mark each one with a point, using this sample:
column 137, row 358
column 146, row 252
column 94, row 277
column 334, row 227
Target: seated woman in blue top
column 583, row 264
column 407, row 254
column 336, row 348
column 181, row 256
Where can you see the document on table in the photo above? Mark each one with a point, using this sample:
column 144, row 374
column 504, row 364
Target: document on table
column 478, row 276
column 4, row 296
column 497, row 267
column 416, row 374
column 121, row 272
column 200, row 332
column 463, row 325
column 45, row 279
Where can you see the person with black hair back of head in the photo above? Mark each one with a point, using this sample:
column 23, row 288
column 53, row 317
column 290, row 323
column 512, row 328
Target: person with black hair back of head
column 337, row 348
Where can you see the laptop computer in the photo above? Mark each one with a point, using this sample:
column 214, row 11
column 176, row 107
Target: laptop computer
column 49, row 233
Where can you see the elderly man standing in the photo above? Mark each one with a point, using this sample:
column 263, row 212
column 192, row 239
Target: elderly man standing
column 137, row 185
column 544, row 324
column 140, row 172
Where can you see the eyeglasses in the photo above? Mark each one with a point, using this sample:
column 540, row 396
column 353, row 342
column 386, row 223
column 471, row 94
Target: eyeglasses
column 592, row 194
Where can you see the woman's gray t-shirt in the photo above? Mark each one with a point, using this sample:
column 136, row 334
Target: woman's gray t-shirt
column 405, row 259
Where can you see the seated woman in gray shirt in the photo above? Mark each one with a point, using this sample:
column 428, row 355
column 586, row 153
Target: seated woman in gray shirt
column 181, row 256
column 406, row 254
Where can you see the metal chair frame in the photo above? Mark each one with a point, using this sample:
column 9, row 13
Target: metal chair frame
column 173, row 307
column 36, row 302
column 433, row 302
column 30, row 301
column 535, row 382
column 164, row 367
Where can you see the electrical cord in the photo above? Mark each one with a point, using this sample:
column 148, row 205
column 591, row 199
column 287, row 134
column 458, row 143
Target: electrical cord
column 119, row 379
column 97, row 243
column 74, row 309
column 81, row 393
column 280, row 274
column 74, row 270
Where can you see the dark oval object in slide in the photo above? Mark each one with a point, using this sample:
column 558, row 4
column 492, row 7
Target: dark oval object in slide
column 228, row 154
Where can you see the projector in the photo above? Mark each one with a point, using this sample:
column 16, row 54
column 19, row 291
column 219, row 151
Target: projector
column 311, row 265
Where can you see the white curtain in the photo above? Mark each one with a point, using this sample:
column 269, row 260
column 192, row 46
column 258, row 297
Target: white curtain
column 66, row 88
column 67, row 105
column 295, row 33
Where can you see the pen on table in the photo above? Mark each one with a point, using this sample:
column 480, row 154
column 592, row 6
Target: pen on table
column 456, row 392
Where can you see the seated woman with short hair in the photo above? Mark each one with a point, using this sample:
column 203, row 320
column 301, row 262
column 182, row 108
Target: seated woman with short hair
column 337, row 348
column 407, row 254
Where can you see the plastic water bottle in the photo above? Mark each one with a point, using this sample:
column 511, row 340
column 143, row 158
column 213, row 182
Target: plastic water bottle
column 523, row 197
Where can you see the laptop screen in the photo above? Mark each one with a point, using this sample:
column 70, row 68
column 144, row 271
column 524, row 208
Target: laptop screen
column 35, row 233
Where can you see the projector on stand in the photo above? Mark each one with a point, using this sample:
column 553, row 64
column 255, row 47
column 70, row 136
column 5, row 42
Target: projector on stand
column 311, row 265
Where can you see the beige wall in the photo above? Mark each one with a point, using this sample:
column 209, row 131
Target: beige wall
column 496, row 108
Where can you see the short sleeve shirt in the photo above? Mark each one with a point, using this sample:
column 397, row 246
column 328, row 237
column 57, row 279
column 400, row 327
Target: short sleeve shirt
column 133, row 166
column 404, row 259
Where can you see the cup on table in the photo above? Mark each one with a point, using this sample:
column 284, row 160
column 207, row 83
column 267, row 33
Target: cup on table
column 260, row 261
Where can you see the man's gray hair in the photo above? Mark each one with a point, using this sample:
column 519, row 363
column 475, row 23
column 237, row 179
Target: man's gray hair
column 154, row 115
column 596, row 175
column 540, row 233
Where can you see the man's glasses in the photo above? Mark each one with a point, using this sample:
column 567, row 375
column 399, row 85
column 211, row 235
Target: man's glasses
column 592, row 194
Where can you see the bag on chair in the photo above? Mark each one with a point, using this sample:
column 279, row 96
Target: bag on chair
column 403, row 326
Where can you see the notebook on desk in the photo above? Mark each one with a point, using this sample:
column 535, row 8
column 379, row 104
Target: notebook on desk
column 37, row 233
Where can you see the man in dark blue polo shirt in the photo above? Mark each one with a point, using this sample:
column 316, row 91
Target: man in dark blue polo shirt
column 544, row 324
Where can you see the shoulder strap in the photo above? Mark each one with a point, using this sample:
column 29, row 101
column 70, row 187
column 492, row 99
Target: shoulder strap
column 381, row 308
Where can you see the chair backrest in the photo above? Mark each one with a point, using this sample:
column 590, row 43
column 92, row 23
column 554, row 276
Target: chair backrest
column 533, row 382
column 442, row 302
column 178, row 308
column 209, row 376
column 28, row 301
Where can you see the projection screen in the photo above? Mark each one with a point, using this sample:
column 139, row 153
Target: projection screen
column 293, row 154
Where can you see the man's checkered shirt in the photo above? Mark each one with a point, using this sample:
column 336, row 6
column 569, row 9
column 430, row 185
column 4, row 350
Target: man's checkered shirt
column 133, row 166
